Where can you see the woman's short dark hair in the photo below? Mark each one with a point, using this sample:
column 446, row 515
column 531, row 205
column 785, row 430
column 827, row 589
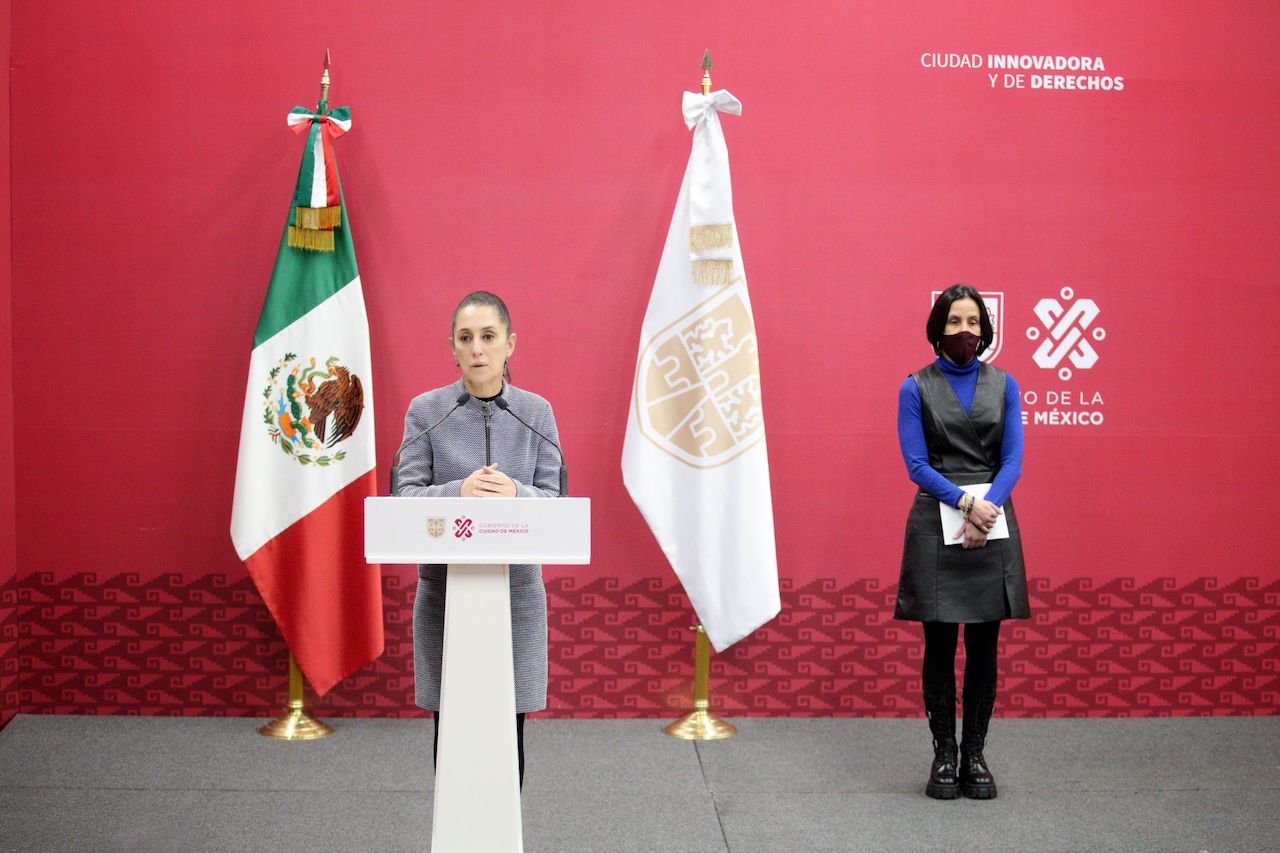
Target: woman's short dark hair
column 482, row 297
column 936, row 326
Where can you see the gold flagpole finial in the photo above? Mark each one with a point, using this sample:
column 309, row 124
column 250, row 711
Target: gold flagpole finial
column 706, row 72
column 324, row 81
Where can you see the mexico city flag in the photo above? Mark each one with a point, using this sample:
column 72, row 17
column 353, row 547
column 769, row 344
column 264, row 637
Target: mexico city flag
column 694, row 458
column 306, row 438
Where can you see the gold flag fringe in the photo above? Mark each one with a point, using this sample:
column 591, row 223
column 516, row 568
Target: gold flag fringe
column 712, row 272
column 318, row 218
column 312, row 241
column 710, row 236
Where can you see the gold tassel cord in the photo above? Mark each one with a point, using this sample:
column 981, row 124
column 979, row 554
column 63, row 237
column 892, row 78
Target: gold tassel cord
column 318, row 218
column 715, row 272
column 710, row 236
column 311, row 241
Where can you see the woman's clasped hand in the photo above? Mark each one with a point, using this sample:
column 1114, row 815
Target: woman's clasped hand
column 488, row 482
column 982, row 519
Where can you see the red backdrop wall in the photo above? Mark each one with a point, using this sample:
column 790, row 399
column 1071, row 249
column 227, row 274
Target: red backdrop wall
column 8, row 552
column 536, row 150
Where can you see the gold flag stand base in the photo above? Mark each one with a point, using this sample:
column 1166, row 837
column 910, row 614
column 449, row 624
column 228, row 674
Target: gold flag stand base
column 700, row 723
column 296, row 724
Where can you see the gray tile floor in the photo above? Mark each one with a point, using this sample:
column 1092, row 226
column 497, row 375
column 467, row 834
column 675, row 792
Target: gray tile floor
column 606, row 786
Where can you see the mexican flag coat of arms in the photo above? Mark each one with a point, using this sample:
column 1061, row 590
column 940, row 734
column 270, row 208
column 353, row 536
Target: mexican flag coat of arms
column 306, row 458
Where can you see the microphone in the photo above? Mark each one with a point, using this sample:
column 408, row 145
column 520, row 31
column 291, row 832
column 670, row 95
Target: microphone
column 564, row 472
column 395, row 460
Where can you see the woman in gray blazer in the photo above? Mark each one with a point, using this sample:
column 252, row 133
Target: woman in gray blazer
column 475, row 447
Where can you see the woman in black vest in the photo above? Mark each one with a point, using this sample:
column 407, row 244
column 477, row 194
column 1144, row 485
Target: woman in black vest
column 960, row 424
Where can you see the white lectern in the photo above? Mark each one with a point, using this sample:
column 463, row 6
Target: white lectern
column 477, row 789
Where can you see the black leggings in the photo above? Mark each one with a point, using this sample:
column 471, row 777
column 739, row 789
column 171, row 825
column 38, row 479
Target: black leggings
column 980, row 641
column 435, row 742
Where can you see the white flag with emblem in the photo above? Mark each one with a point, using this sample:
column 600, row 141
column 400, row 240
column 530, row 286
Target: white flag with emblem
column 694, row 458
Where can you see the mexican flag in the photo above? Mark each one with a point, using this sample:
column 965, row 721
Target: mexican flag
column 306, row 459
column 694, row 458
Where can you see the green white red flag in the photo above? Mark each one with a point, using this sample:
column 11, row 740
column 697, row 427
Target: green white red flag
column 306, row 460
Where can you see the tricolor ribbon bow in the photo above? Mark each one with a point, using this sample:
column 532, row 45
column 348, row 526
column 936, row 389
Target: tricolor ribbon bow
column 317, row 200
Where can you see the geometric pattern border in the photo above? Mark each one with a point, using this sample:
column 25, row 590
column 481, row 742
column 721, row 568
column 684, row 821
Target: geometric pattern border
column 8, row 648
column 96, row 643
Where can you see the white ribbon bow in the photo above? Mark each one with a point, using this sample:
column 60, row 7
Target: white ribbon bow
column 696, row 105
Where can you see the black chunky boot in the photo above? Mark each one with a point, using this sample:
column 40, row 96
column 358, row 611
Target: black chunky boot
column 940, row 706
column 976, row 780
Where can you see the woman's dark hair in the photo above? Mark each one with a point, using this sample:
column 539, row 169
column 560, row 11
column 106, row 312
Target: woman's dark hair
column 936, row 326
column 484, row 297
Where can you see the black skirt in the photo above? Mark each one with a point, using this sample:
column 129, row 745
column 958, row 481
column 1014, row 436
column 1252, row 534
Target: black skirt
column 946, row 583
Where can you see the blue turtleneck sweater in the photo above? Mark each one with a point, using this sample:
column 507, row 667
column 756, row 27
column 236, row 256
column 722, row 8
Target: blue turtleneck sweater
column 916, row 453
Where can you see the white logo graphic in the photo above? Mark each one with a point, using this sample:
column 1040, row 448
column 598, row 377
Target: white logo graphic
column 994, row 300
column 1065, row 330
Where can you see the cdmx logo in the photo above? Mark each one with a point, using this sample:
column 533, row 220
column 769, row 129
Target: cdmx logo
column 1067, row 331
column 463, row 528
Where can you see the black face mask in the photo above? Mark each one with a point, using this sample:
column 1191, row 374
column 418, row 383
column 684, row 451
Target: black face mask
column 960, row 347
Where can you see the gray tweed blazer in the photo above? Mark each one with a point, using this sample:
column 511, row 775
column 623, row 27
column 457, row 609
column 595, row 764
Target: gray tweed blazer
column 435, row 466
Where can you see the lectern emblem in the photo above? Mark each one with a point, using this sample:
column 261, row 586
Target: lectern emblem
column 698, row 389
column 435, row 527
column 462, row 528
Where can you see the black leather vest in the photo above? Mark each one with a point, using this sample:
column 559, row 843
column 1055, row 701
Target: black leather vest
column 964, row 448
column 947, row 583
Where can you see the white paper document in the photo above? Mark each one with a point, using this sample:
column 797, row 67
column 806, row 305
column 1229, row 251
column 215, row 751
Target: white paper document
column 953, row 519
